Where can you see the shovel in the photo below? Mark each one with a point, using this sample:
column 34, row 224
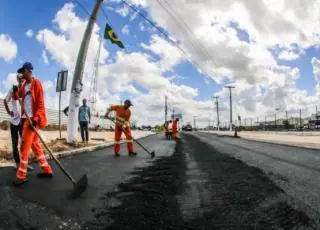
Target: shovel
column 78, row 186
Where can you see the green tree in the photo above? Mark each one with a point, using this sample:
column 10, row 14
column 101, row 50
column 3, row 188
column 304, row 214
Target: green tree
column 286, row 124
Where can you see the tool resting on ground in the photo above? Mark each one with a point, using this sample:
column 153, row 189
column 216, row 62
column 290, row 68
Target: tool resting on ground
column 78, row 186
column 152, row 154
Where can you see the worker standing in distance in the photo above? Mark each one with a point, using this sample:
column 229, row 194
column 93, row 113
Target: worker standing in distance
column 32, row 96
column 84, row 117
column 175, row 128
column 123, row 115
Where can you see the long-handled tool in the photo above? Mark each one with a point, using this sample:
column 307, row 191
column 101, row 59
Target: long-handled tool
column 152, row 154
column 78, row 186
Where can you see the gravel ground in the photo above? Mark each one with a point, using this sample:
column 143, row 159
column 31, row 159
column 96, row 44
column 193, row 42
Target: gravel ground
column 198, row 187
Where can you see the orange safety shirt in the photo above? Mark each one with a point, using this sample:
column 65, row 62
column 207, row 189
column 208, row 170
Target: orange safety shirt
column 38, row 106
column 122, row 115
column 174, row 125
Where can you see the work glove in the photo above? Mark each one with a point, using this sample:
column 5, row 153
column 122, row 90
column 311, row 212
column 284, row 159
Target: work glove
column 34, row 125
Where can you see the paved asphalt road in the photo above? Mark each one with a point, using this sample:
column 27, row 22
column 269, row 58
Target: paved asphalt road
column 202, row 182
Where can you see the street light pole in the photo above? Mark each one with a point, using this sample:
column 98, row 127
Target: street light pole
column 230, row 87
column 275, row 118
column 166, row 109
column 217, row 105
column 76, row 87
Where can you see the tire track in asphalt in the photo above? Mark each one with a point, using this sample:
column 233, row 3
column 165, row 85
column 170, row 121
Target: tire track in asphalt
column 225, row 194
column 242, row 195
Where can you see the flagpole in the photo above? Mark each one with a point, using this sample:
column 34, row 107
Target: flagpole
column 76, row 87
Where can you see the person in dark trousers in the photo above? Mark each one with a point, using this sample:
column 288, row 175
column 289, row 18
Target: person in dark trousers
column 15, row 121
column 84, row 120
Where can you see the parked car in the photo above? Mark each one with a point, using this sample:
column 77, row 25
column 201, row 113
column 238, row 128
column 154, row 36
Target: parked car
column 187, row 128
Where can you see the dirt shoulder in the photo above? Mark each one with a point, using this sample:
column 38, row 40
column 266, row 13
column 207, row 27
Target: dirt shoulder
column 51, row 139
column 302, row 139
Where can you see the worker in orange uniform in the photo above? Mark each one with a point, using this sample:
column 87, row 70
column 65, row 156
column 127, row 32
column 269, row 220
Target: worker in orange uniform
column 32, row 96
column 175, row 128
column 123, row 115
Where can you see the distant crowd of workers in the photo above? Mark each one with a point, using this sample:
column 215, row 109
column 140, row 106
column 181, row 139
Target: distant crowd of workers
column 27, row 101
column 171, row 129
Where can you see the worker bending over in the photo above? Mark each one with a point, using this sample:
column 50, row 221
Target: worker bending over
column 123, row 115
column 32, row 96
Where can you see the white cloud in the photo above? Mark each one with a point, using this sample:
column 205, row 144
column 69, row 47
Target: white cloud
column 8, row 48
column 125, row 30
column 316, row 71
column 45, row 57
column 288, row 55
column 124, row 11
column 29, row 33
column 10, row 80
column 211, row 41
column 169, row 54
column 291, row 53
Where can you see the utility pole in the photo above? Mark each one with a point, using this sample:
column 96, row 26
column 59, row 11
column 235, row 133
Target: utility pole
column 275, row 118
column 217, row 105
column 166, row 109
column 230, row 87
column 265, row 122
column 300, row 120
column 94, row 81
column 194, row 121
column 76, row 87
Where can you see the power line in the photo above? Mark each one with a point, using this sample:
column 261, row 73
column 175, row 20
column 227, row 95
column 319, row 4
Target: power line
column 187, row 29
column 82, row 6
column 192, row 61
column 170, row 14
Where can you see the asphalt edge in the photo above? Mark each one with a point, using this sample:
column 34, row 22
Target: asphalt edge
column 267, row 142
column 88, row 149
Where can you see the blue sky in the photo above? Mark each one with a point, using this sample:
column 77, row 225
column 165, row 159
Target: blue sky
column 16, row 17
column 38, row 14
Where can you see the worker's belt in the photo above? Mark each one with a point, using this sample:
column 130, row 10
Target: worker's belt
column 121, row 121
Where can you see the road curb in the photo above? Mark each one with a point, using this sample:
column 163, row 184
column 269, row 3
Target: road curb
column 88, row 149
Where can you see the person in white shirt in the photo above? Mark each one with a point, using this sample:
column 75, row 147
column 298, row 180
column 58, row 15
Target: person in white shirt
column 15, row 127
column 15, row 121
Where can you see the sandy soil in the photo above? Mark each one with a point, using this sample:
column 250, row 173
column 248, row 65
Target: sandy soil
column 303, row 139
column 50, row 138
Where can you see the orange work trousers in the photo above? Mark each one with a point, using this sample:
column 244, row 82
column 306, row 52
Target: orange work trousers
column 31, row 140
column 117, row 135
column 174, row 134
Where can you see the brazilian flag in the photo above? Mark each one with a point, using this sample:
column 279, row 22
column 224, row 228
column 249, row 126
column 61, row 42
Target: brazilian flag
column 109, row 34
